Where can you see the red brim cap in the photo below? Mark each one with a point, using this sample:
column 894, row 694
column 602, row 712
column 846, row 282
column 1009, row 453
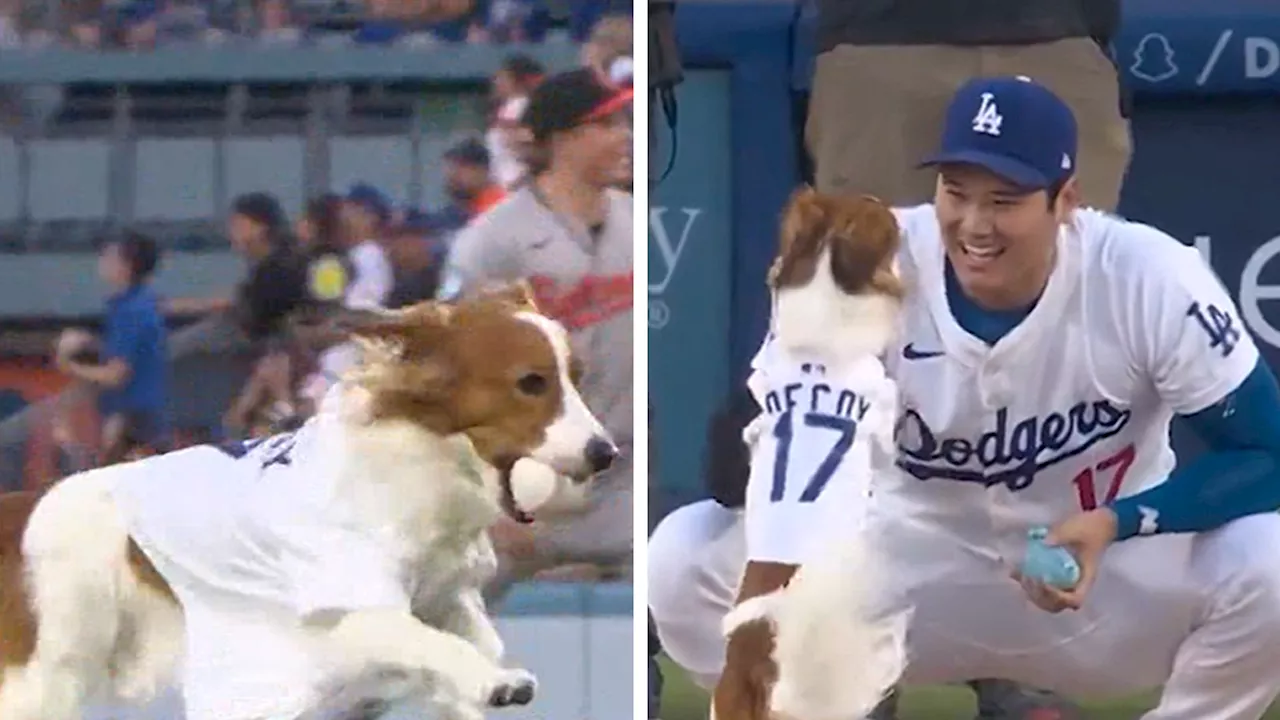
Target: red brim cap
column 612, row 104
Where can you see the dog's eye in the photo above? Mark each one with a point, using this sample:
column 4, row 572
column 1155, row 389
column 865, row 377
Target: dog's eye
column 532, row 384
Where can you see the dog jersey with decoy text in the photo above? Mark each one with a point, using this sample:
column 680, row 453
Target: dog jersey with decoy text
column 823, row 431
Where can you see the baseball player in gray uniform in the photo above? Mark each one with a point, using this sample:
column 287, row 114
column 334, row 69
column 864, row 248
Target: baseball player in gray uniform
column 569, row 234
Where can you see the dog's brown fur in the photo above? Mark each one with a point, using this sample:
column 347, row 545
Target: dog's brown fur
column 860, row 232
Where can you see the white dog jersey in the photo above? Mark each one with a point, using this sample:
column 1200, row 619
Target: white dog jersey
column 814, row 448
column 253, row 539
column 1072, row 408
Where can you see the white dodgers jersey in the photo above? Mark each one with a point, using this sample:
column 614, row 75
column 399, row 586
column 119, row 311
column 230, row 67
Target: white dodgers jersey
column 822, row 433
column 1069, row 410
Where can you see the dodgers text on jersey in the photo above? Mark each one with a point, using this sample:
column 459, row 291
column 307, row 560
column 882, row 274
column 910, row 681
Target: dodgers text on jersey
column 1012, row 452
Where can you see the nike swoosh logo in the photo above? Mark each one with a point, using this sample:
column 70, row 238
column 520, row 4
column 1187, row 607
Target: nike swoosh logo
column 911, row 353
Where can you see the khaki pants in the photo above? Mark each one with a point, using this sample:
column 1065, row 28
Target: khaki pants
column 877, row 111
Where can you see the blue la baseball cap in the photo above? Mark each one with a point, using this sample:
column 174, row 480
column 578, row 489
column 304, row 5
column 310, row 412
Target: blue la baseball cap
column 1012, row 126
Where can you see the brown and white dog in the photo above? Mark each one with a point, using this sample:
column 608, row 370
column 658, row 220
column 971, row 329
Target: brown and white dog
column 114, row 576
column 837, row 299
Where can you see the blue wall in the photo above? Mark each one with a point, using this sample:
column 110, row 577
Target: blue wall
column 1206, row 167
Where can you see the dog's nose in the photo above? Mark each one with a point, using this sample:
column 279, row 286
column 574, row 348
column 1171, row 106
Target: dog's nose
column 600, row 454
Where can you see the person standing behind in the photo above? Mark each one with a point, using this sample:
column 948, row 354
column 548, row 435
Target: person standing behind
column 320, row 234
column 366, row 214
column 416, row 256
column 271, row 399
column 131, row 370
column 568, row 233
column 608, row 52
column 469, row 185
column 275, row 287
column 608, row 49
column 512, row 84
column 886, row 71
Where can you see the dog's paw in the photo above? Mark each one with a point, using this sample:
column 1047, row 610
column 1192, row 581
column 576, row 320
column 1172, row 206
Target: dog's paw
column 514, row 687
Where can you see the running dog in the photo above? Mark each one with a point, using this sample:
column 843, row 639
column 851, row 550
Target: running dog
column 273, row 571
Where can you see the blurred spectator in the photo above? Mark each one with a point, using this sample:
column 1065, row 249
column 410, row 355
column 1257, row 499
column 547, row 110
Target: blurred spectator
column 508, row 21
column 10, row 24
column 320, row 239
column 157, row 23
column 569, row 233
column 273, row 23
column 608, row 52
column 130, row 365
column 273, row 396
column 320, row 227
column 87, row 24
column 512, row 84
column 420, row 11
column 366, row 214
column 469, row 184
column 416, row 256
column 146, row 24
column 330, row 272
column 608, row 49
column 276, row 287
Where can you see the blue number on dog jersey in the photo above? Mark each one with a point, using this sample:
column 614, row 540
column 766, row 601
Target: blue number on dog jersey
column 783, row 432
column 277, row 448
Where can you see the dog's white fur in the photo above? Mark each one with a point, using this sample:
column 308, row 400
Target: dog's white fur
column 818, row 318
column 103, row 631
column 837, row 653
column 837, row 649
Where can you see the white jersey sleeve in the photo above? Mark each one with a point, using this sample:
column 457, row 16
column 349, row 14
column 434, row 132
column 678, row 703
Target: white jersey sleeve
column 1187, row 331
column 812, row 464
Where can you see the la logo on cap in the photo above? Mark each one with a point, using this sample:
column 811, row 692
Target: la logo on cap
column 988, row 120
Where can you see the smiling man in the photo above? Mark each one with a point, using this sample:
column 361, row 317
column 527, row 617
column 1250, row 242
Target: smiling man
column 1045, row 350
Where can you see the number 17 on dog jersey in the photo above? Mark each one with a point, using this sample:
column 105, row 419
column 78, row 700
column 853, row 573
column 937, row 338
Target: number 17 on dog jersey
column 814, row 456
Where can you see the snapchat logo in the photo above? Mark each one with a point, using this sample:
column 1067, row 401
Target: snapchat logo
column 328, row 279
column 1153, row 59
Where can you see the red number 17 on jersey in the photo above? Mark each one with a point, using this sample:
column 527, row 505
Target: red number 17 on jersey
column 1111, row 471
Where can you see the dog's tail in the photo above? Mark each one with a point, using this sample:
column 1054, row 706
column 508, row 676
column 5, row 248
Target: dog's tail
column 838, row 651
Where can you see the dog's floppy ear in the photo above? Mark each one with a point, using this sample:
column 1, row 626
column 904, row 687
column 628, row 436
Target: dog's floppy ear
column 412, row 325
column 802, row 234
column 408, row 366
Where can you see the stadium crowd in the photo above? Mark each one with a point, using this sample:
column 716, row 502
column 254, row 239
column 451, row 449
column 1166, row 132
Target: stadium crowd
column 147, row 24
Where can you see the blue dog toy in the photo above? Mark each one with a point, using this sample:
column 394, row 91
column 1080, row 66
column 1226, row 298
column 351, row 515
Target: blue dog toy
column 1053, row 566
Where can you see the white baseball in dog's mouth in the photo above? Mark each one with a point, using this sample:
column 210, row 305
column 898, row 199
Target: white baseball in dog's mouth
column 530, row 484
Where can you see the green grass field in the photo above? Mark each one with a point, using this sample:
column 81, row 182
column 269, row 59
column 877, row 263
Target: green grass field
column 681, row 700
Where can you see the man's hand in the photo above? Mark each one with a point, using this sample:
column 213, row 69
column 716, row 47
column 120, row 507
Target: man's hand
column 1087, row 535
column 749, row 674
